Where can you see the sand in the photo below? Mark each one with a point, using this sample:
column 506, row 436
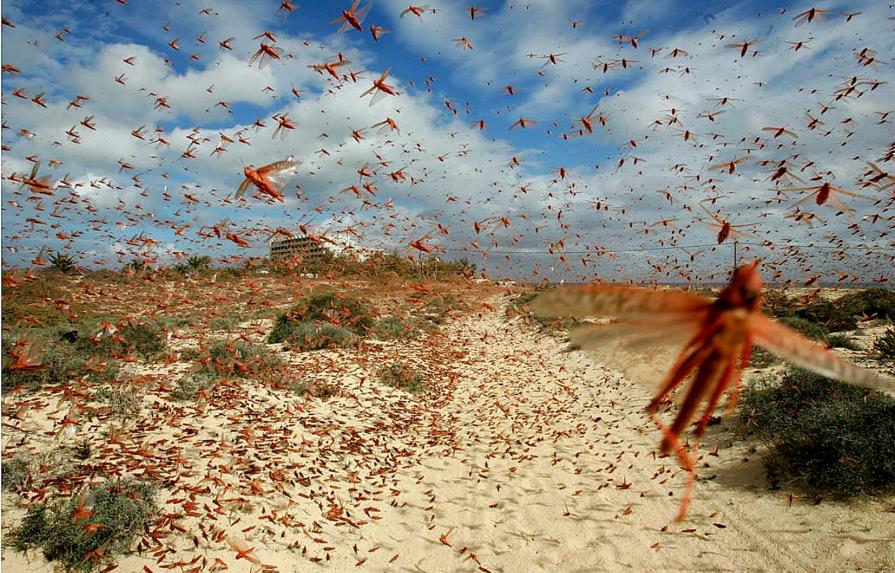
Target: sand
column 525, row 456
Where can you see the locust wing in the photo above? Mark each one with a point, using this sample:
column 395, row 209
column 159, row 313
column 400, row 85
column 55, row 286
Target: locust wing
column 789, row 344
column 626, row 303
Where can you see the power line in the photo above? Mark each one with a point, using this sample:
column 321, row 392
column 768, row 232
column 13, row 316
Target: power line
column 660, row 248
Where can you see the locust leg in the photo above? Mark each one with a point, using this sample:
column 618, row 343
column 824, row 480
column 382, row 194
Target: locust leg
column 686, row 461
column 694, row 353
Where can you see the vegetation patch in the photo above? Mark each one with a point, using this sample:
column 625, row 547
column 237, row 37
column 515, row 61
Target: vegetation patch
column 306, row 336
column 63, row 262
column 56, row 363
column 833, row 438
column 438, row 308
column 402, row 376
column 394, row 328
column 839, row 340
column 238, row 358
column 776, row 303
column 16, row 472
column 314, row 388
column 192, row 385
column 105, row 338
column 843, row 313
column 91, row 527
column 518, row 306
column 810, row 329
column 762, row 358
column 328, row 308
column 885, row 345
column 123, row 399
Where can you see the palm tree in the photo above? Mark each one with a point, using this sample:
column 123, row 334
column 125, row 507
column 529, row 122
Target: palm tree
column 198, row 263
column 63, row 262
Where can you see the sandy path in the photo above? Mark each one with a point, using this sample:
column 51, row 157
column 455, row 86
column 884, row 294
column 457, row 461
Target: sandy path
column 552, row 471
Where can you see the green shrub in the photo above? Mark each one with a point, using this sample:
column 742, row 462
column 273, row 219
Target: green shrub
column 238, row 358
column 227, row 323
column 34, row 300
column 438, row 308
column 121, row 511
column 776, row 303
column 519, row 303
column 838, row 340
column 144, row 338
column 315, row 389
column 546, row 324
column 123, row 399
column 393, row 328
column 199, row 263
column 403, row 377
column 874, row 301
column 190, row 384
column 841, row 314
column 306, row 336
column 829, row 314
column 761, row 358
column 16, row 472
column 885, row 345
column 835, row 438
column 806, row 327
column 60, row 362
column 325, row 308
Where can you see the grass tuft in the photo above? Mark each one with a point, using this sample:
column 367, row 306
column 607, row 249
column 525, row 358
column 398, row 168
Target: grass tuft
column 838, row 340
column 119, row 512
column 885, row 345
column 306, row 336
column 191, row 384
column 315, row 389
column 238, row 358
column 402, row 377
column 393, row 328
column 16, row 472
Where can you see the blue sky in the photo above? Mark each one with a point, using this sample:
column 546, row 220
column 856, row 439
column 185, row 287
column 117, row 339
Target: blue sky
column 656, row 189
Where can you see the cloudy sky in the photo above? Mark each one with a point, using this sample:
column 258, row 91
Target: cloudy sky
column 646, row 129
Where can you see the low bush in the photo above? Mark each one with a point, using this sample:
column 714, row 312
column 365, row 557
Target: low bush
column 238, row 358
column 838, row 340
column 393, row 328
column 808, row 328
column 106, row 523
column 842, row 313
column 776, row 303
column 546, row 324
column 124, row 400
column 828, row 314
column 438, row 308
column 762, row 358
column 190, row 385
column 885, row 345
column 834, row 438
column 59, row 363
column 315, row 389
column 93, row 336
column 325, row 308
column 16, row 472
column 403, row 377
column 63, row 262
column 307, row 336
